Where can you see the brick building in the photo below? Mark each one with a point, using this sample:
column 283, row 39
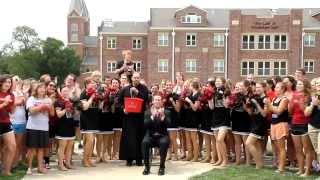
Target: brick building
column 202, row 42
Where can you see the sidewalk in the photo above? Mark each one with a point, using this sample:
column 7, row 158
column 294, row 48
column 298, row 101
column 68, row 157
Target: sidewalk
column 116, row 170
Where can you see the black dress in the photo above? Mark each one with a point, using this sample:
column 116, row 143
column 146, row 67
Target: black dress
column 221, row 116
column 65, row 125
column 259, row 123
column 174, row 115
column 133, row 126
column 206, row 119
column 105, row 120
column 193, row 118
column 117, row 112
column 89, row 119
column 241, row 121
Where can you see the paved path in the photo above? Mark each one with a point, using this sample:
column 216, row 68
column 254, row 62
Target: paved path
column 116, row 170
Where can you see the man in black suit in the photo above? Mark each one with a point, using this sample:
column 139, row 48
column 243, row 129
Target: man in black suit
column 156, row 121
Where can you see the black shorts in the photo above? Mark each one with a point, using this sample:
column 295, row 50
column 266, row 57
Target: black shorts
column 37, row 139
column 5, row 128
column 299, row 129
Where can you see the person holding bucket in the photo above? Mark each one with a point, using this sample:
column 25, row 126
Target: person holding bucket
column 133, row 99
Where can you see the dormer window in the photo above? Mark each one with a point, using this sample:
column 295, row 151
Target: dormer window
column 191, row 18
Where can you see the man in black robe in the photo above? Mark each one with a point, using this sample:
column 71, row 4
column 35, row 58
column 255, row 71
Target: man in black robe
column 133, row 123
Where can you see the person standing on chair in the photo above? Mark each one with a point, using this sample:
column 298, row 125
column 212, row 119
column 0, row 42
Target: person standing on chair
column 156, row 122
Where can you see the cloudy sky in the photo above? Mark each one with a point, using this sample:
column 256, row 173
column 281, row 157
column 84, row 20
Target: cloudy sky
column 48, row 17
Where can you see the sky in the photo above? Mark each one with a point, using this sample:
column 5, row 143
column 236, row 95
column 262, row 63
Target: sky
column 49, row 17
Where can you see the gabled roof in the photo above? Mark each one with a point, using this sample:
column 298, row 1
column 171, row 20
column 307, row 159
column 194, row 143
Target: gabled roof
column 80, row 7
column 164, row 17
column 191, row 6
column 125, row 27
column 308, row 17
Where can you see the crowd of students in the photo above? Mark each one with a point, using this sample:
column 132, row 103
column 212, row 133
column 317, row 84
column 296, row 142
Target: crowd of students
column 217, row 122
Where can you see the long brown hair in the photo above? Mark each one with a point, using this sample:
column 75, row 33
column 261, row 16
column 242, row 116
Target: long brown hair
column 3, row 79
column 37, row 86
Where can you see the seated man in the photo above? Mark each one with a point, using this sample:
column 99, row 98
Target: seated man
column 156, row 121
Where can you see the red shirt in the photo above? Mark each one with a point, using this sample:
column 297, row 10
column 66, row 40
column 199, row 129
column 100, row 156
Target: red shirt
column 270, row 95
column 298, row 116
column 4, row 112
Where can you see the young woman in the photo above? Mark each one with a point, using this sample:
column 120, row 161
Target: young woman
column 65, row 133
column 221, row 121
column 258, row 113
column 313, row 112
column 192, row 121
column 209, row 140
column 241, row 120
column 39, row 107
column 290, row 84
column 172, row 104
column 279, row 123
column 89, row 119
column 117, row 113
column 178, row 89
column 18, row 119
column 6, row 134
column 299, row 127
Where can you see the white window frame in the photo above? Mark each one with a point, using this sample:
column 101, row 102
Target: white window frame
column 111, row 42
column 138, row 65
column 218, row 40
column 248, row 42
column 192, row 43
column 307, row 65
column 135, row 43
column 163, row 65
column 264, row 68
column 248, row 67
column 191, row 65
column 111, row 66
column 309, row 40
column 74, row 29
column 191, row 19
column 280, row 68
column 280, row 43
column 163, row 39
column 218, row 66
column 264, row 41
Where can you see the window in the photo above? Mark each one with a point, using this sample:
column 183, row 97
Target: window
column 264, row 42
column 280, row 42
column 191, row 18
column 309, row 40
column 111, row 42
column 74, row 33
column 191, row 39
column 163, row 65
column 136, row 43
column 309, row 66
column 280, row 68
column 247, row 67
column 163, row 39
column 137, row 65
column 263, row 68
column 191, row 65
column 248, row 42
column 218, row 40
column 218, row 65
column 111, row 66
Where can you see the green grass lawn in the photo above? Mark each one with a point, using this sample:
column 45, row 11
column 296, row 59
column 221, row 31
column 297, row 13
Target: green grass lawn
column 248, row 173
column 18, row 173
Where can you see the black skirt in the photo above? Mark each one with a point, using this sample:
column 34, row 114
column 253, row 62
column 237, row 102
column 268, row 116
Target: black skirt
column 206, row 120
column 117, row 119
column 89, row 121
column 37, row 139
column 241, row 122
column 220, row 117
column 65, row 128
column 105, row 123
column 174, row 117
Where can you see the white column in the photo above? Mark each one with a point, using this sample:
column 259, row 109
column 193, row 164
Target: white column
column 302, row 46
column 226, row 55
column 101, row 38
column 173, row 56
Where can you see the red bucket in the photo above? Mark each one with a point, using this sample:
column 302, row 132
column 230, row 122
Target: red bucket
column 133, row 105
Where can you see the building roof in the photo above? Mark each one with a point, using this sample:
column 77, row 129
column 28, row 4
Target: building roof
column 90, row 41
column 164, row 17
column 90, row 60
column 308, row 19
column 124, row 27
column 80, row 7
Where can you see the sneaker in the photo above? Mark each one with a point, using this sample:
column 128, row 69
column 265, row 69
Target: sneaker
column 29, row 171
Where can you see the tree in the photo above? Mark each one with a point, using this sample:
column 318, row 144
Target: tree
column 25, row 38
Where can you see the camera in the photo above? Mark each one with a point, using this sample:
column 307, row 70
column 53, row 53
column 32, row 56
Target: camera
column 220, row 93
